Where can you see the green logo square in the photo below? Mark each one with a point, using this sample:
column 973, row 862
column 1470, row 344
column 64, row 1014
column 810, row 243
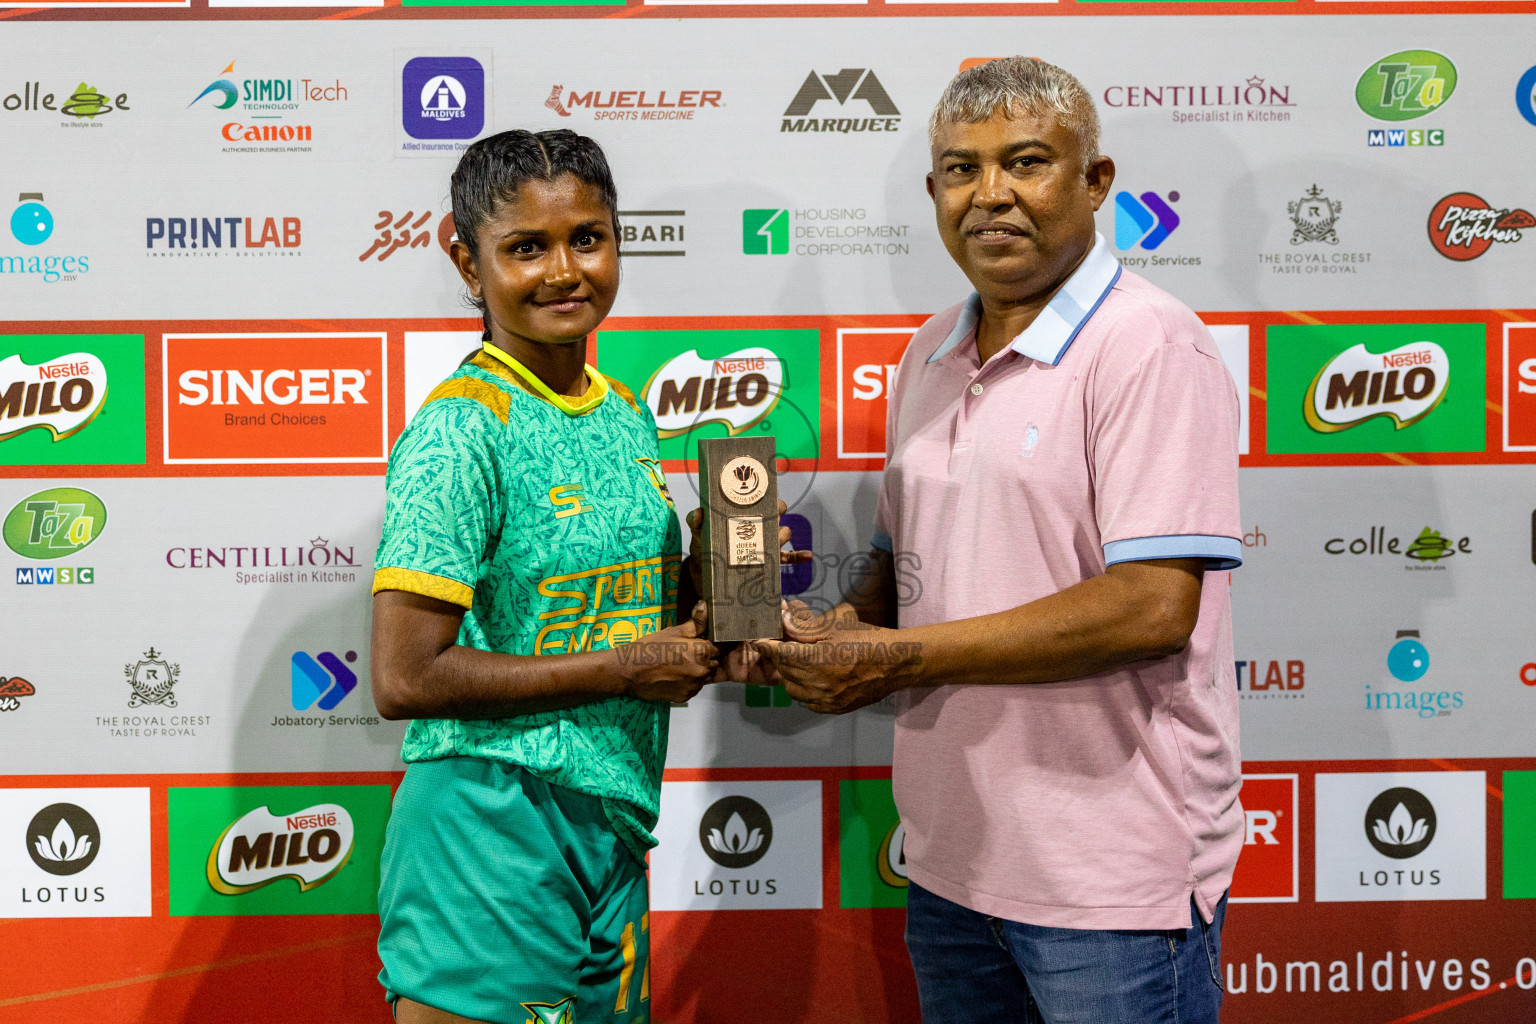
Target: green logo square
column 873, row 863
column 722, row 383
column 1519, row 835
column 269, row 850
column 1345, row 388
column 85, row 411
column 765, row 232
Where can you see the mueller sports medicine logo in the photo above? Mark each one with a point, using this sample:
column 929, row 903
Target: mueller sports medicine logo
column 259, row 847
column 1462, row 226
column 847, row 85
column 62, row 395
column 736, row 390
column 216, row 236
column 1250, row 100
column 264, row 398
column 736, row 832
column 32, row 225
column 631, row 104
column 442, row 98
column 1404, row 385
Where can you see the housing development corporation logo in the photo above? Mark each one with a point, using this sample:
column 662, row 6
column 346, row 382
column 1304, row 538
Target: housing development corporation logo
column 849, row 84
column 736, row 832
column 63, row 839
column 443, row 98
column 632, row 104
column 32, row 225
column 765, row 232
column 322, row 681
column 820, row 231
column 1462, row 226
column 1247, row 101
column 219, row 236
column 61, row 396
column 1400, row 823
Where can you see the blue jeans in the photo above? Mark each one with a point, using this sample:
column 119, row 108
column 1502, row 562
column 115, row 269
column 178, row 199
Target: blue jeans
column 974, row 969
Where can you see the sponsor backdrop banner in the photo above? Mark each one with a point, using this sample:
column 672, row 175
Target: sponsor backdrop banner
column 225, row 292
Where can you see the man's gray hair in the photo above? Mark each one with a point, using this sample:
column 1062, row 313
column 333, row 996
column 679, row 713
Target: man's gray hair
column 1023, row 84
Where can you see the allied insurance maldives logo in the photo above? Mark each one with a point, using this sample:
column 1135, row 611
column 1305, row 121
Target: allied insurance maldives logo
column 1376, row 388
column 268, row 398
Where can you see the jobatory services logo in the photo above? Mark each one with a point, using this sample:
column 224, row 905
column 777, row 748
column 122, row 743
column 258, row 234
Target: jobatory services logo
column 867, row 358
column 1401, row 836
column 1268, row 871
column 270, row 109
column 32, row 225
column 872, row 846
column 274, row 398
column 75, row 852
column 633, row 104
column 1314, row 237
column 152, row 680
column 1525, row 95
column 849, row 84
column 735, row 832
column 84, row 106
column 1336, row 388
column 1144, row 221
column 409, row 230
column 276, row 849
column 12, row 691
column 821, row 231
column 1426, row 551
column 222, row 236
column 71, row 399
column 1408, row 662
column 1275, row 679
column 1248, row 101
column 652, row 232
column 1404, row 86
column 1462, row 226
column 1520, row 391
column 442, row 101
column 322, row 680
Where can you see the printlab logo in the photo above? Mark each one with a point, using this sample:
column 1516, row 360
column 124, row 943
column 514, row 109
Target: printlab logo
column 631, row 105
column 1400, row 823
column 63, row 839
column 1462, row 226
column 1525, row 95
column 32, row 225
column 12, row 690
column 216, row 236
column 735, row 832
column 85, row 103
column 308, row 846
column 1273, row 680
column 847, row 84
column 153, row 680
column 410, row 230
column 325, row 679
column 443, row 97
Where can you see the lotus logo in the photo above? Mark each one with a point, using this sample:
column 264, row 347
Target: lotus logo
column 738, row 390
column 63, row 839
column 1405, row 385
column 260, row 847
column 736, row 831
column 1400, row 823
column 62, row 395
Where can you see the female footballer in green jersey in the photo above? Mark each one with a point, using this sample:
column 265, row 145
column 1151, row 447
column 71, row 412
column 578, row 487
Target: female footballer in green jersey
column 524, row 620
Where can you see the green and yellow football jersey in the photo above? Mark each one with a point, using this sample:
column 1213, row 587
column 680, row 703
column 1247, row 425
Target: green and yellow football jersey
column 548, row 520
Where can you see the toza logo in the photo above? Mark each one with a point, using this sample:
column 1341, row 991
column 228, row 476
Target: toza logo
column 735, row 831
column 1405, row 385
column 1462, row 226
column 152, row 679
column 54, row 523
column 62, row 395
column 12, row 690
column 1149, row 221
column 849, row 83
column 63, row 839
column 324, row 679
column 1406, row 85
column 738, row 390
column 1400, row 823
column 308, row 846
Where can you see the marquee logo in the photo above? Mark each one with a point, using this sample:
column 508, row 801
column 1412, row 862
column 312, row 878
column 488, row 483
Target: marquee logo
column 443, row 97
column 265, row 398
column 1148, row 221
column 325, row 679
column 1400, row 823
column 1406, row 85
column 12, row 690
column 61, row 396
column 736, row 832
column 1404, row 385
column 1462, row 226
column 847, row 84
column 63, row 839
column 308, row 846
column 54, row 523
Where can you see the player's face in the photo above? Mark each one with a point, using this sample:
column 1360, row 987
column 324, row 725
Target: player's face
column 1013, row 203
column 548, row 269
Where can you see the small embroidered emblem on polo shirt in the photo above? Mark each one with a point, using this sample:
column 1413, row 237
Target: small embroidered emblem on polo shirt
column 1031, row 438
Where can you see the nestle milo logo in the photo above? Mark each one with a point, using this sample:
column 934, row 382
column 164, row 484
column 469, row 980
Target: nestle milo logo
column 54, row 523
column 1405, row 85
column 61, row 395
column 1404, row 385
column 308, row 846
column 737, row 390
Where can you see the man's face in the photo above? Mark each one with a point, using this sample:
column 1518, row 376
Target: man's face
column 1013, row 203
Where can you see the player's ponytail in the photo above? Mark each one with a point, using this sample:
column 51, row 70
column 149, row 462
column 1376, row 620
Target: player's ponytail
column 492, row 170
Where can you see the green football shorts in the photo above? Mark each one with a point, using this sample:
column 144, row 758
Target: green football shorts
column 508, row 900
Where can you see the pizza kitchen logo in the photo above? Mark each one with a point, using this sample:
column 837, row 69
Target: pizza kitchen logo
column 1404, row 385
column 632, row 105
column 309, row 846
column 1462, row 226
column 738, row 390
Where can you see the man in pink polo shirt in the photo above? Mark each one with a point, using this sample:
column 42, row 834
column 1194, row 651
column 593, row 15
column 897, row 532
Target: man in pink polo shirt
column 1061, row 485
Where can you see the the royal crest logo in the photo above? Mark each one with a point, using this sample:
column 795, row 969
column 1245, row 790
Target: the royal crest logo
column 1405, row 385
column 738, row 390
column 61, row 395
column 1462, row 226
column 1313, row 217
column 308, row 846
column 153, row 680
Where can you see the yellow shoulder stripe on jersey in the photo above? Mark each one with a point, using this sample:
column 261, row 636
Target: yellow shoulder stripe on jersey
column 623, row 392
column 426, row 584
column 597, row 387
column 488, row 395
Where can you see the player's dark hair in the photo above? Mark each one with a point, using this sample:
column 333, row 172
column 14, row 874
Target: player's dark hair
column 493, row 169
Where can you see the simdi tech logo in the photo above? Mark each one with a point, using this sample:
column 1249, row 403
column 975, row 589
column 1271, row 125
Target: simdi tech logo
column 272, row 850
column 847, row 85
column 71, row 399
column 32, row 225
column 75, row 852
column 1341, row 388
column 273, row 398
column 266, row 103
column 1462, row 226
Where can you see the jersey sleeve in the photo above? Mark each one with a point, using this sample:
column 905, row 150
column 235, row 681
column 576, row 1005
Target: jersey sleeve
column 442, row 502
column 1163, row 446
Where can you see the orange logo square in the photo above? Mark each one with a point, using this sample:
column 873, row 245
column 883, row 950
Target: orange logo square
column 867, row 358
column 1520, row 387
column 1267, row 868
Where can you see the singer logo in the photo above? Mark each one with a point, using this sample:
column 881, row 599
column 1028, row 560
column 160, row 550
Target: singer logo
column 1404, row 384
column 309, row 846
column 262, row 398
column 1267, row 868
column 1520, row 387
column 61, row 396
column 737, row 390
column 867, row 358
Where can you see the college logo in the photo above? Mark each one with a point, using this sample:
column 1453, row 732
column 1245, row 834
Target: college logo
column 867, row 358
column 235, row 850
column 61, row 396
column 872, row 844
column 651, row 232
column 443, row 97
column 1426, row 550
column 152, row 679
column 1406, row 85
column 12, row 690
column 1376, row 388
column 211, row 236
column 1268, row 869
column 631, row 105
column 1520, row 390
column 323, row 681
column 1148, row 220
column 1462, row 226
column 736, row 832
column 847, row 84
column 32, row 224
column 1400, row 823
column 54, row 523
column 262, row 398
column 85, row 103
column 63, row 839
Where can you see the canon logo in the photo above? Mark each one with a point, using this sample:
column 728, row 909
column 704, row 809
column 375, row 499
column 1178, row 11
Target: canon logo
column 279, row 387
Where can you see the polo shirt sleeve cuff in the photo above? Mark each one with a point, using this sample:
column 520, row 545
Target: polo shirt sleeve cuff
column 1219, row 552
column 881, row 540
column 426, row 584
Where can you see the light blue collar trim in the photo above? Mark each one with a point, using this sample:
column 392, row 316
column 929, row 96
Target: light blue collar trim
column 1057, row 326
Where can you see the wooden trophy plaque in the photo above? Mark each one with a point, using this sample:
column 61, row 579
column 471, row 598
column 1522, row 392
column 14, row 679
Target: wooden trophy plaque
column 739, row 493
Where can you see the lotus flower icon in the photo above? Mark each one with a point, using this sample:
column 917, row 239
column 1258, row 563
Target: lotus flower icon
column 63, row 845
column 737, row 839
column 1400, row 829
column 63, row 839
